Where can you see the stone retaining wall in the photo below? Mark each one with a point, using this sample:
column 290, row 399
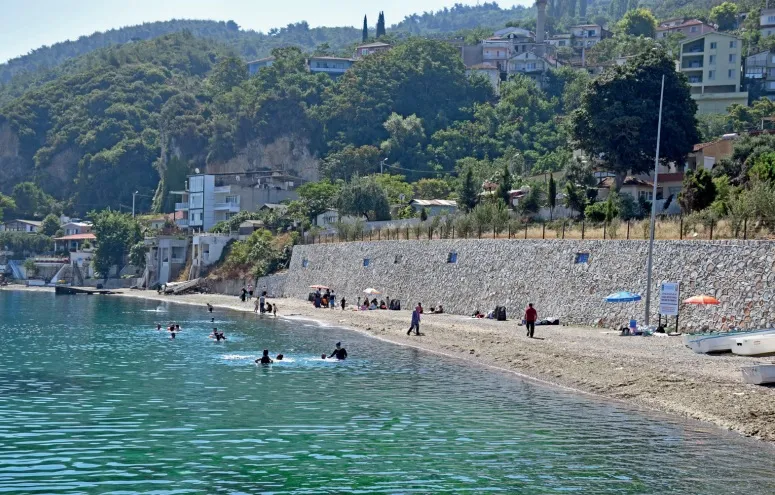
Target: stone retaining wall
column 512, row 273
column 274, row 285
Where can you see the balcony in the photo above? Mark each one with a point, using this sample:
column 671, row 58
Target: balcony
column 182, row 222
column 232, row 207
column 181, row 206
column 222, row 190
column 692, row 65
column 328, row 70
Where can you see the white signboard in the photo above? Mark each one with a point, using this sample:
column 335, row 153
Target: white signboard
column 668, row 299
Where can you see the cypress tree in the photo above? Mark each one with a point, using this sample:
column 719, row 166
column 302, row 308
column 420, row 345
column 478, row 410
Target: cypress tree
column 552, row 196
column 505, row 186
column 468, row 196
column 381, row 25
column 365, row 29
column 583, row 10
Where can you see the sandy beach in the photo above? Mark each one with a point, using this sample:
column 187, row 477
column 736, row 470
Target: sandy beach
column 654, row 372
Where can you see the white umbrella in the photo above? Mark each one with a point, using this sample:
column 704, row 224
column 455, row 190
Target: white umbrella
column 371, row 291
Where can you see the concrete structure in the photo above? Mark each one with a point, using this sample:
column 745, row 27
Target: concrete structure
column 760, row 73
column 497, row 52
column 767, row 22
column 489, row 71
column 712, row 64
column 257, row 65
column 435, row 207
column 28, row 226
column 209, row 199
column 687, row 27
column 165, row 259
column 568, row 279
column 74, row 242
column 560, row 40
column 706, row 155
column 369, row 48
column 333, row 66
column 206, row 250
column 588, row 35
column 77, row 228
column 529, row 64
column 541, row 21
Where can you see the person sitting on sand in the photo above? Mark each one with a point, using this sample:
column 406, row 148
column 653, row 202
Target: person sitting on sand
column 265, row 359
column 440, row 309
column 382, row 305
column 373, row 306
column 339, row 353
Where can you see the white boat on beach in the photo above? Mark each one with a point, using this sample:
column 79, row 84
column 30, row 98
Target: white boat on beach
column 759, row 374
column 756, row 345
column 720, row 342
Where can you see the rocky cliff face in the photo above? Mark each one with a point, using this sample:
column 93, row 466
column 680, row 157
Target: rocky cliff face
column 13, row 168
column 290, row 154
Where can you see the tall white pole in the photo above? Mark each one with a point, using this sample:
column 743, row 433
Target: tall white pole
column 133, row 203
column 654, row 206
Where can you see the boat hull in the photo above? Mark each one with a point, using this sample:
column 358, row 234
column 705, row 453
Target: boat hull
column 755, row 346
column 723, row 342
column 759, row 374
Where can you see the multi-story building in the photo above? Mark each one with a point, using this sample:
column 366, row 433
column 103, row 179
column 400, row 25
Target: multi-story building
column 370, row 48
column 687, row 27
column 712, row 64
column 209, row 199
column 529, row 64
column 760, row 74
column 497, row 52
column 588, row 35
column 767, row 22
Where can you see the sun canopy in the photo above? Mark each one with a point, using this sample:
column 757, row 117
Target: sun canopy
column 622, row 296
column 321, row 287
column 701, row 299
column 371, row 291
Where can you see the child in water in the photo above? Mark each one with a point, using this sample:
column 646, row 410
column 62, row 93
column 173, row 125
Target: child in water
column 265, row 359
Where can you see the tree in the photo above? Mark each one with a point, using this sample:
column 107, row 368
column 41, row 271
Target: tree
column 30, row 200
column 552, row 196
column 229, row 73
column 504, row 185
column 365, row 34
column 349, row 161
column 574, row 199
column 725, row 16
column 6, row 202
column 137, row 255
column 363, row 196
column 618, row 117
column 764, row 167
column 50, row 225
column 468, row 192
column 381, row 25
column 638, row 22
column 423, row 214
column 318, row 196
column 396, row 188
column 698, row 192
column 116, row 233
column 431, row 189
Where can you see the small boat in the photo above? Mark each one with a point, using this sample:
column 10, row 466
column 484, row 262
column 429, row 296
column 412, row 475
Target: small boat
column 755, row 345
column 720, row 342
column 759, row 374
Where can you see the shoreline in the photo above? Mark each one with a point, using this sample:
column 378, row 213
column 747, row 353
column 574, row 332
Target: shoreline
column 656, row 373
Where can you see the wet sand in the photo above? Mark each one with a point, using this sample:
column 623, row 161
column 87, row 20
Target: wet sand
column 655, row 372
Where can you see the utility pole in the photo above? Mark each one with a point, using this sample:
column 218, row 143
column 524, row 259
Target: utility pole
column 133, row 202
column 381, row 164
column 654, row 207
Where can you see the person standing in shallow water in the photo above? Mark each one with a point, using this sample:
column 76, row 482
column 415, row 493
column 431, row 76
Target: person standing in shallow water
column 531, row 315
column 339, row 353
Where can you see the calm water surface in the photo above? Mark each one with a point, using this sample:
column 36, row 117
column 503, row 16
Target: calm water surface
column 94, row 400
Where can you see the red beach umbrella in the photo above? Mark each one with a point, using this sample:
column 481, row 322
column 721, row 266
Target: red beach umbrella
column 701, row 299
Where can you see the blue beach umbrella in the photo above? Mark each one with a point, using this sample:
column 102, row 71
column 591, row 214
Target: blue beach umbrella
column 622, row 297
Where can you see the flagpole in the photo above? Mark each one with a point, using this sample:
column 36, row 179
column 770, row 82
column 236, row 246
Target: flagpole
column 654, row 206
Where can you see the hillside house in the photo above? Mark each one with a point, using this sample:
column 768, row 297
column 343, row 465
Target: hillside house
column 333, row 66
column 28, row 226
column 257, row 65
column 434, row 207
column 369, row 48
column 588, row 35
column 687, row 27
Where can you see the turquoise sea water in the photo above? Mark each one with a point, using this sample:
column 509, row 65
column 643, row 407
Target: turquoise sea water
column 94, row 400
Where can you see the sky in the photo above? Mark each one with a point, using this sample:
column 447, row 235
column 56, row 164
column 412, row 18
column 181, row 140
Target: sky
column 29, row 24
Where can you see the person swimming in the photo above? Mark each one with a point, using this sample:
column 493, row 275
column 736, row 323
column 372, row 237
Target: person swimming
column 323, row 356
column 265, row 359
column 218, row 336
column 212, row 320
column 158, row 326
column 279, row 357
column 339, row 353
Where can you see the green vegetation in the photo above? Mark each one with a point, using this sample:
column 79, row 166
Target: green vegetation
column 23, row 243
column 117, row 234
column 638, row 22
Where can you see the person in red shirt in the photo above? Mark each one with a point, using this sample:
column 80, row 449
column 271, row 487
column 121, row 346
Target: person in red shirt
column 531, row 315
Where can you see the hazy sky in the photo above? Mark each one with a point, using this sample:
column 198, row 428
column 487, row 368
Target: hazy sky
column 29, row 24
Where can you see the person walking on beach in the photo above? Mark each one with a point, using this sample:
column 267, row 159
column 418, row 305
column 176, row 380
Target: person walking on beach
column 243, row 296
column 415, row 322
column 344, row 303
column 250, row 291
column 531, row 315
column 332, row 300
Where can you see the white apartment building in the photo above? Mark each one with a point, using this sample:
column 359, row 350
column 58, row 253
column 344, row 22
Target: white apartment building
column 204, row 204
column 712, row 63
column 767, row 22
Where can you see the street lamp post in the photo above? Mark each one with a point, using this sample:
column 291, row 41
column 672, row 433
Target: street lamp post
column 381, row 164
column 654, row 207
column 133, row 202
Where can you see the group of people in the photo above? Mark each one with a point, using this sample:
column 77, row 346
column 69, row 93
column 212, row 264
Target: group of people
column 173, row 329
column 340, row 354
column 327, row 300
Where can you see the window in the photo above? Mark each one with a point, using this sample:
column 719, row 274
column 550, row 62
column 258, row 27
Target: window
column 731, row 73
column 711, row 75
column 712, row 59
column 713, row 45
column 647, row 195
column 452, row 257
column 732, row 58
column 304, row 263
column 366, row 261
column 582, row 258
column 771, row 19
column 693, row 29
column 733, row 44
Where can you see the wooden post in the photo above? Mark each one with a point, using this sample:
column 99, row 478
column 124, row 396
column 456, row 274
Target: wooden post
column 407, row 232
column 453, row 233
column 628, row 230
column 509, row 230
column 379, row 234
column 543, row 231
column 711, row 232
column 745, row 228
column 563, row 229
column 525, row 230
column 605, row 224
column 582, row 230
column 370, row 231
column 681, row 226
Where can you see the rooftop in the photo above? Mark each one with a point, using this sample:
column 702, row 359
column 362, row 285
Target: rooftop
column 690, row 22
column 378, row 44
column 434, row 202
column 77, row 237
column 609, row 182
column 28, row 222
column 344, row 59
